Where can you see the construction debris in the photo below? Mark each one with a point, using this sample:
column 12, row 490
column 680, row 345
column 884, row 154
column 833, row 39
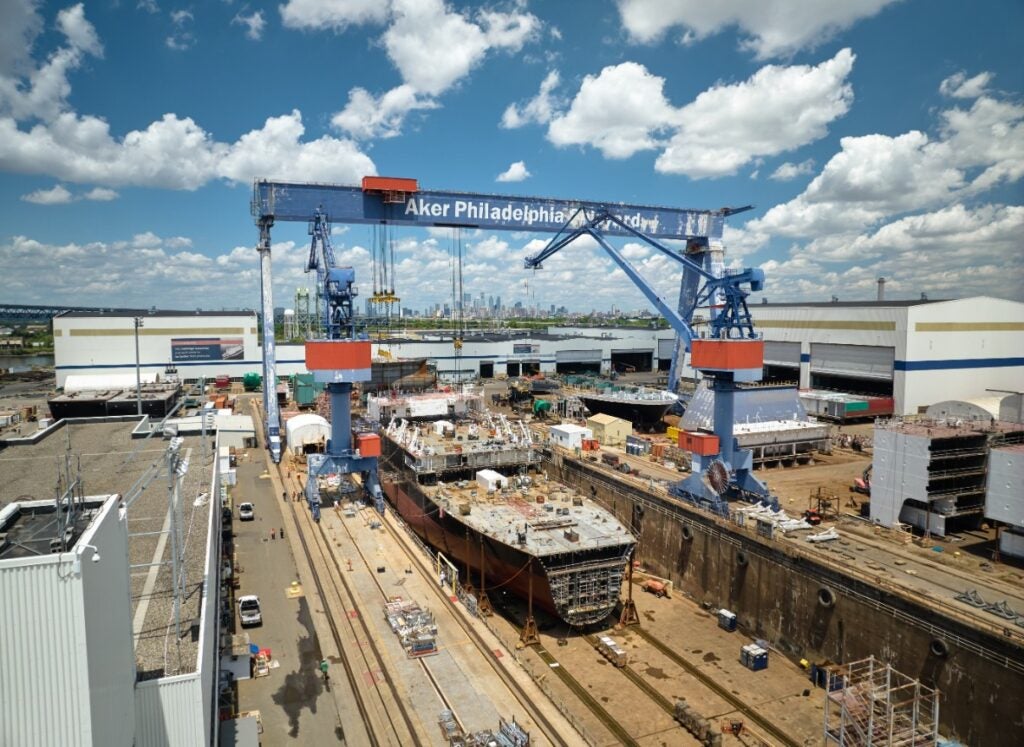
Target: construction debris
column 414, row 626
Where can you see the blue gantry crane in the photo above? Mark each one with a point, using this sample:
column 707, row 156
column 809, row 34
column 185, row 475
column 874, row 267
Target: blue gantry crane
column 339, row 359
column 728, row 355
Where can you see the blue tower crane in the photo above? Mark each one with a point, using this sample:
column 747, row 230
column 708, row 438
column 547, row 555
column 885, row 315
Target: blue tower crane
column 730, row 355
column 338, row 360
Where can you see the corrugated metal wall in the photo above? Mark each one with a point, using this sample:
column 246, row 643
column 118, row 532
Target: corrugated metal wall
column 44, row 679
column 67, row 667
column 167, row 712
column 108, row 625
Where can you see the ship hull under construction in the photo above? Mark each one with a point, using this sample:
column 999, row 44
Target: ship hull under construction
column 642, row 413
column 581, row 588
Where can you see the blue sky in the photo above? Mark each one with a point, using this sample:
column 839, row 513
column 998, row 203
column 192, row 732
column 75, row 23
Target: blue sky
column 877, row 138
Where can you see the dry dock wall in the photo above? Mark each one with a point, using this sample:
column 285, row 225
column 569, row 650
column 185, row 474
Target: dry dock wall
column 813, row 610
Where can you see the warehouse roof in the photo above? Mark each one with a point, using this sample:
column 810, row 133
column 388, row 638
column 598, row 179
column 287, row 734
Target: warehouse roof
column 852, row 304
column 153, row 313
column 110, row 462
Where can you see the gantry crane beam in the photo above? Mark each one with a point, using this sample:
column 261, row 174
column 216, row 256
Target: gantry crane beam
column 287, row 201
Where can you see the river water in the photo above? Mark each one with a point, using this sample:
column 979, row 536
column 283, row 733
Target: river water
column 25, row 362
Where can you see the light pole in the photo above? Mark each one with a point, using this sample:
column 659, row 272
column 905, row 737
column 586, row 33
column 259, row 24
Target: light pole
column 138, row 368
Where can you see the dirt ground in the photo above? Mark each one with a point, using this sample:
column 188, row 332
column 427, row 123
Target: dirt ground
column 833, row 473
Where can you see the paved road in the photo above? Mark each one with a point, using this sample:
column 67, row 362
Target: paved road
column 291, row 700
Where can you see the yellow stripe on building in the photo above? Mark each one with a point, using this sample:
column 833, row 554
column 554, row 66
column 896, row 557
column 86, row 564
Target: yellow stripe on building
column 157, row 331
column 969, row 327
column 824, row 324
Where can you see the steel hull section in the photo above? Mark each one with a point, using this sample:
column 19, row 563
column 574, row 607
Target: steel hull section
column 508, row 568
column 641, row 413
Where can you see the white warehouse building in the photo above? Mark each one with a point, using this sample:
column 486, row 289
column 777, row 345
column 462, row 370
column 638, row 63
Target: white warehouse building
column 200, row 343
column 916, row 352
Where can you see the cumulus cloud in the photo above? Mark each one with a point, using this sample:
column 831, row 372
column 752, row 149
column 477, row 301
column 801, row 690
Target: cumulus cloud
column 776, row 110
column 80, row 33
column 537, row 110
column 100, row 194
column 19, row 25
column 366, row 116
column 515, row 173
column 173, row 152
column 623, row 110
column 149, row 6
column 337, row 15
column 770, row 28
column 959, row 86
column 253, row 23
column 58, row 195
column 46, row 89
column 924, row 253
column 143, row 271
column 432, row 46
column 903, row 206
column 789, row 171
column 874, row 177
column 181, row 36
column 620, row 111
column 176, row 153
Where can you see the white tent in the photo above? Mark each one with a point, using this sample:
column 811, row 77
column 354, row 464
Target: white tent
column 307, row 429
column 104, row 382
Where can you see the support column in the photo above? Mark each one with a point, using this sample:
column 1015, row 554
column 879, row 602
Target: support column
column 483, row 602
column 805, row 365
column 270, row 407
column 629, row 615
column 529, row 635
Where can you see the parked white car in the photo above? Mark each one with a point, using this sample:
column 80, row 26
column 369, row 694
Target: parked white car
column 249, row 610
column 246, row 512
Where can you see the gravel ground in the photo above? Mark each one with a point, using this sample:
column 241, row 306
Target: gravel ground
column 110, row 461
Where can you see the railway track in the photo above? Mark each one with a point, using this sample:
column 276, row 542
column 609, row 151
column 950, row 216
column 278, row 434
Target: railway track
column 383, row 712
column 525, row 699
column 778, row 736
column 586, row 698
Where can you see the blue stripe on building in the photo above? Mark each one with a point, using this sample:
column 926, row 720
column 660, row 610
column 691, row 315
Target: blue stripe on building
column 955, row 364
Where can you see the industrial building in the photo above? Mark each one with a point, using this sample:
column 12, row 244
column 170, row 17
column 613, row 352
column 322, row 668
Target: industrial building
column 110, row 606
column 609, row 430
column 65, row 613
column 199, row 343
column 915, row 352
column 933, row 474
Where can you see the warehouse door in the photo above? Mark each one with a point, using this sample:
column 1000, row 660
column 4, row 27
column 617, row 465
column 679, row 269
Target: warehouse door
column 577, row 361
column 781, row 361
column 486, row 369
column 665, row 350
column 630, row 360
column 530, row 368
column 513, row 368
column 859, row 369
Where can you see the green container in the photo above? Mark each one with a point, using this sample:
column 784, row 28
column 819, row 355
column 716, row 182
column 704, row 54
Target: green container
column 856, row 406
column 251, row 382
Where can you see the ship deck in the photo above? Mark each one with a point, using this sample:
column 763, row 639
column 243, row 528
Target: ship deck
column 544, row 518
column 485, row 441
